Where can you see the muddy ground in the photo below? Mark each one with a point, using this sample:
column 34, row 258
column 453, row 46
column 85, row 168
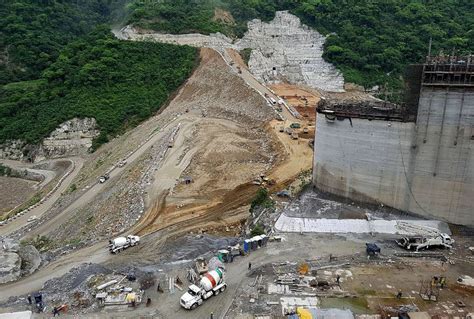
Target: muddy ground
column 366, row 286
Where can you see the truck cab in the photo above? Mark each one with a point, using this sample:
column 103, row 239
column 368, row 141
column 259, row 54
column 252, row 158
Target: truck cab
column 196, row 295
column 447, row 239
column 192, row 298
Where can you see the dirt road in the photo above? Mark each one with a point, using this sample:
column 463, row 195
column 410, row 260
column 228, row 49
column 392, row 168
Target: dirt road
column 16, row 191
column 48, row 175
column 38, row 211
column 225, row 156
column 96, row 254
column 96, row 188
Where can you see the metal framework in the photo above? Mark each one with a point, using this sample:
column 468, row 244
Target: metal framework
column 448, row 71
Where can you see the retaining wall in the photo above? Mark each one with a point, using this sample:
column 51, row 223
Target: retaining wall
column 425, row 167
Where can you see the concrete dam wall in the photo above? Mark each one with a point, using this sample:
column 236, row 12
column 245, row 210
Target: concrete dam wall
column 424, row 166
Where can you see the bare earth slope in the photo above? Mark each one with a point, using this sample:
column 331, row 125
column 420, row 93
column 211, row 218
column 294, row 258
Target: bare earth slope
column 217, row 126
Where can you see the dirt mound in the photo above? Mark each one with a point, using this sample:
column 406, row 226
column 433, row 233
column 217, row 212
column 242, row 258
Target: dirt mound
column 225, row 145
column 221, row 141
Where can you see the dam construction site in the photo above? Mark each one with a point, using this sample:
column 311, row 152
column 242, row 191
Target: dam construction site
column 266, row 187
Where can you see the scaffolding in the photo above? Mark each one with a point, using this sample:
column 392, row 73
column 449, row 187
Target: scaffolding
column 448, row 71
column 428, row 291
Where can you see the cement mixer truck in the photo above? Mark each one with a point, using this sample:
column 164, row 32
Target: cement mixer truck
column 118, row 244
column 211, row 284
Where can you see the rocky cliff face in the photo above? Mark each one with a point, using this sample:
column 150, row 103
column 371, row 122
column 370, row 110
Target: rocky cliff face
column 16, row 260
column 283, row 50
column 286, row 50
column 73, row 137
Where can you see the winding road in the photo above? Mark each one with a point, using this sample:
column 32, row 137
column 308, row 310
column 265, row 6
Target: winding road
column 97, row 253
column 42, row 208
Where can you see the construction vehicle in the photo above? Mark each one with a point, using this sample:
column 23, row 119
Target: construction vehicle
column 104, row 178
column 201, row 266
column 211, row 284
column 122, row 163
column 372, row 249
column 39, row 303
column 426, row 237
column 120, row 243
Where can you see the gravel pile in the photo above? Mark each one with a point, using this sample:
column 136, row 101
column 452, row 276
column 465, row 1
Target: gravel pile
column 191, row 247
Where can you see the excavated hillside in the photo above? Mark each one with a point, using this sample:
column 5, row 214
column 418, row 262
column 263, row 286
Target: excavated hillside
column 218, row 129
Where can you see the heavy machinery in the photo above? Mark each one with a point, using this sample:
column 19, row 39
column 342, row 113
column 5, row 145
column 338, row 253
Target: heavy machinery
column 120, row 243
column 426, row 237
column 372, row 249
column 211, row 284
column 104, row 178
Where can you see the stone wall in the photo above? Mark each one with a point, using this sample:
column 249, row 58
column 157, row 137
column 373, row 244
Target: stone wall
column 425, row 167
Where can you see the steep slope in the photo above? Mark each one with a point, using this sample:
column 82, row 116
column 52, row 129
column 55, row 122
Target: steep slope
column 116, row 82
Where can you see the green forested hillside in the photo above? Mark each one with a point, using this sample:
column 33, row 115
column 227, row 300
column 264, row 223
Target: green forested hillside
column 370, row 41
column 52, row 68
column 84, row 73
column 33, row 32
column 119, row 83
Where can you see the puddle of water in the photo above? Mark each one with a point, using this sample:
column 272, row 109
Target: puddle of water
column 356, row 305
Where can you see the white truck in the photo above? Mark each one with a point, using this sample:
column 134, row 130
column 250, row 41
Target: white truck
column 120, row 243
column 424, row 237
column 211, row 284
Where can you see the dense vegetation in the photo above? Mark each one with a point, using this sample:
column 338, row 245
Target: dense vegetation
column 261, row 199
column 56, row 63
column 33, row 32
column 53, row 68
column 185, row 16
column 370, row 41
column 117, row 82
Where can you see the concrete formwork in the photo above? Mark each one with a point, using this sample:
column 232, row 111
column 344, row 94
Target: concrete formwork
column 425, row 167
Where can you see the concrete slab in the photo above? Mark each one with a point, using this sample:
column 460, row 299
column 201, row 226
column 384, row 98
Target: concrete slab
column 17, row 315
column 358, row 226
column 294, row 302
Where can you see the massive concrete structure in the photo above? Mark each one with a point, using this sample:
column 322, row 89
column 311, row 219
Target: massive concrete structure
column 418, row 157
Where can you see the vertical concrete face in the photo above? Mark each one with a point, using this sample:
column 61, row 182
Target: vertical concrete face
column 443, row 162
column 425, row 167
column 364, row 161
